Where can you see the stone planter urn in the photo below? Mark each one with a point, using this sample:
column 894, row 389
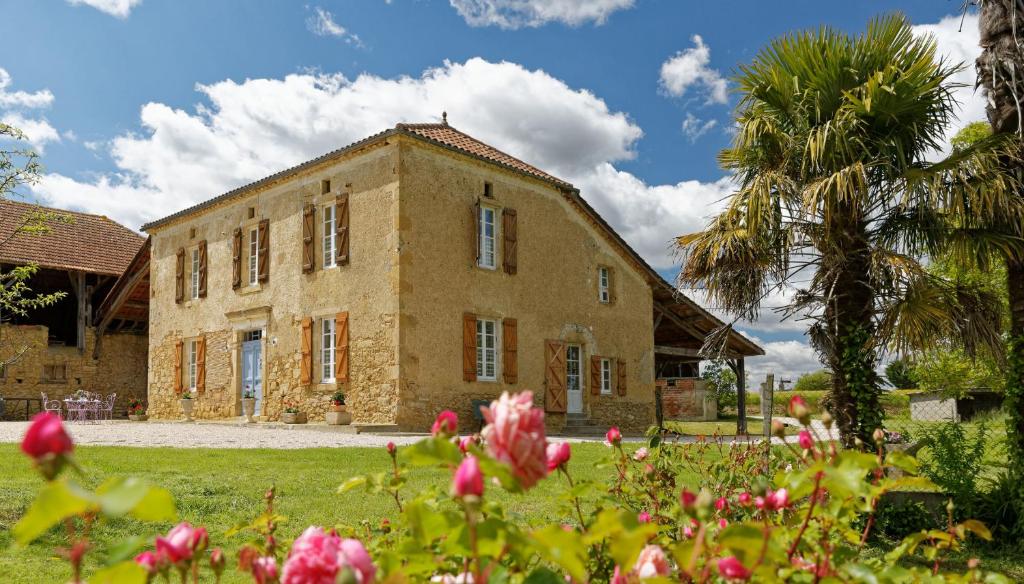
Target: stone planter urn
column 293, row 417
column 186, row 408
column 338, row 416
column 138, row 417
column 249, row 409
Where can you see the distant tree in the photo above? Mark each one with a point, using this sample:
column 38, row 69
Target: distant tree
column 820, row 380
column 721, row 380
column 900, row 374
column 949, row 371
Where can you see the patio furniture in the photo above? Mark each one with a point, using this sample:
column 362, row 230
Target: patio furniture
column 50, row 405
column 106, row 410
column 81, row 409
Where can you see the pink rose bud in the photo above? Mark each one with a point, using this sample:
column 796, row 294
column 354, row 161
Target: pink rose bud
column 614, row 437
column 468, row 481
column 722, row 504
column 723, row 523
column 688, row 532
column 644, row 517
column 464, row 443
column 652, row 563
column 780, row 499
column 264, row 570
column 806, row 441
column 217, row 561
column 558, row 454
column 200, row 540
column 744, row 499
column 688, row 499
column 640, row 454
column 446, row 424
column 879, row 436
column 47, row 443
column 732, row 569
column 778, row 428
column 392, row 448
column 148, row 561
column 760, row 502
column 177, row 545
column 798, row 409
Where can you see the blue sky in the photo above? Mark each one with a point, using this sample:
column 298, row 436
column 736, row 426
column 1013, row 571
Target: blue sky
column 140, row 108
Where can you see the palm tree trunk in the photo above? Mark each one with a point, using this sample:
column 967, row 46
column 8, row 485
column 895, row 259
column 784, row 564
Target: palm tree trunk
column 1014, row 403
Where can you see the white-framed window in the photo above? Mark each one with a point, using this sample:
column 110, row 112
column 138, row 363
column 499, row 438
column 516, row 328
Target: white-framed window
column 486, row 349
column 327, row 350
column 195, row 273
column 488, row 237
column 606, row 376
column 604, row 279
column 573, row 371
column 254, row 255
column 329, row 234
column 193, row 354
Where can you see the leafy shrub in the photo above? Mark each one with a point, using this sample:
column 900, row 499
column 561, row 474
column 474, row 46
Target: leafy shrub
column 900, row 374
column 901, row 519
column 820, row 380
column 722, row 382
column 953, row 373
column 955, row 460
column 1000, row 508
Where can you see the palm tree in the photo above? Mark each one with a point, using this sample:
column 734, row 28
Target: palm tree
column 837, row 198
column 1001, row 73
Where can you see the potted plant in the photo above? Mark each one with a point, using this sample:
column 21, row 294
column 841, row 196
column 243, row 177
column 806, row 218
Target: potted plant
column 186, row 405
column 338, row 414
column 292, row 415
column 137, row 410
column 249, row 404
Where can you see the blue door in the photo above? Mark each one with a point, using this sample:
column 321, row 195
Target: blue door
column 252, row 368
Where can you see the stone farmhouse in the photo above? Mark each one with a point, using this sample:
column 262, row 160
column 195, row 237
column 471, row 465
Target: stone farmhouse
column 59, row 350
column 415, row 270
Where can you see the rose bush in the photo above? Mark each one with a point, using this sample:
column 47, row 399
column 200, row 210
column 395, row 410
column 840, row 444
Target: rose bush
column 782, row 513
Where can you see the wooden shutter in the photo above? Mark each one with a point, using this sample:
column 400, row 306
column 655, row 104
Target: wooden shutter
column 475, row 224
column 263, row 244
column 468, row 347
column 341, row 236
column 554, row 377
column 306, row 366
column 200, row 364
column 179, row 353
column 341, row 347
column 203, row 265
column 595, row 375
column 509, row 352
column 236, row 259
column 620, row 372
column 308, row 231
column 509, row 229
column 179, row 277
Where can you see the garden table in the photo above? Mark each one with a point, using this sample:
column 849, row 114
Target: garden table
column 78, row 410
column 28, row 404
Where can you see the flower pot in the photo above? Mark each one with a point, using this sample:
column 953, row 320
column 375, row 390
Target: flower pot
column 337, row 407
column 249, row 409
column 293, row 418
column 138, row 417
column 339, row 418
column 186, row 408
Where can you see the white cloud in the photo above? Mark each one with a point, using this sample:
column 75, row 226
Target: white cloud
column 322, row 23
column 115, row 8
column 694, row 127
column 959, row 46
column 38, row 132
column 689, row 68
column 787, row 359
column 512, row 14
column 21, row 99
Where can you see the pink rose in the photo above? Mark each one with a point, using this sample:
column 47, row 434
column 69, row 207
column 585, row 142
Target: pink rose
column 515, row 436
column 614, row 437
column 723, row 523
column 652, row 563
column 806, row 441
column 465, row 443
column 780, row 499
column 148, row 561
column 217, row 561
column 744, row 499
column 47, row 443
column 640, row 454
column 354, row 556
column 468, row 481
column 264, row 570
column 313, row 558
column 558, row 453
column 722, row 504
column 732, row 569
column 644, row 517
column 178, row 545
column 446, row 424
column 688, row 499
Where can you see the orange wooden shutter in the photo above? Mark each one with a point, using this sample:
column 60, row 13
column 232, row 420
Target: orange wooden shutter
column 341, row 347
column 308, row 229
column 468, row 347
column 179, row 353
column 620, row 371
column 509, row 357
column 203, row 265
column 341, row 231
column 554, row 377
column 263, row 243
column 595, row 375
column 510, row 228
column 200, row 364
column 236, row 259
column 306, row 366
column 179, row 276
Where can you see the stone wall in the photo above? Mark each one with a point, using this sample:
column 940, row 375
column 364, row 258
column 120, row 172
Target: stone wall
column 120, row 369
column 684, row 399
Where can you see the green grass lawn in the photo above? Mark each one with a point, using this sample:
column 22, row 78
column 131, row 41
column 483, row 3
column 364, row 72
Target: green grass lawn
column 724, row 426
column 219, row 487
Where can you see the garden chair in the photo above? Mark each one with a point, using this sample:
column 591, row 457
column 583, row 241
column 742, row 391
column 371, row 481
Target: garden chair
column 106, row 410
column 51, row 405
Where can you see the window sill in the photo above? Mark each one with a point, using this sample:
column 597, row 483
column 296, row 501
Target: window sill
column 251, row 288
column 54, row 381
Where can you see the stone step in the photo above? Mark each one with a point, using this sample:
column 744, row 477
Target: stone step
column 580, row 422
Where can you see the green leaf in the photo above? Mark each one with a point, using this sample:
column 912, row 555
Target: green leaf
column 744, row 541
column 350, row 484
column 122, row 496
column 543, row 576
column 977, row 528
column 431, row 452
column 503, row 472
column 124, row 550
column 55, row 502
column 123, row 573
column 563, row 548
column 902, row 461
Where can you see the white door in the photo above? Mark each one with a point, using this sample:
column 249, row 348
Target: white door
column 574, row 379
column 252, row 368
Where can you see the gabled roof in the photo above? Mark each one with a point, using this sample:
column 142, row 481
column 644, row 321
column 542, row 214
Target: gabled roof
column 82, row 242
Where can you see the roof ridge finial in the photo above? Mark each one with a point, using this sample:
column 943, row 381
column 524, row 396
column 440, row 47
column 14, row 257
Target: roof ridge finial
column 444, row 118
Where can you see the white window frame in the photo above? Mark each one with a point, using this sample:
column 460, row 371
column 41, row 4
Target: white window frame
column 254, row 256
column 487, row 243
column 193, row 355
column 487, row 349
column 604, row 280
column 579, row 367
column 329, row 235
column 195, row 274
column 606, row 376
column 328, row 350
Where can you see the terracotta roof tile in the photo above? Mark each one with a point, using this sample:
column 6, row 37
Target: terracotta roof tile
column 88, row 243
